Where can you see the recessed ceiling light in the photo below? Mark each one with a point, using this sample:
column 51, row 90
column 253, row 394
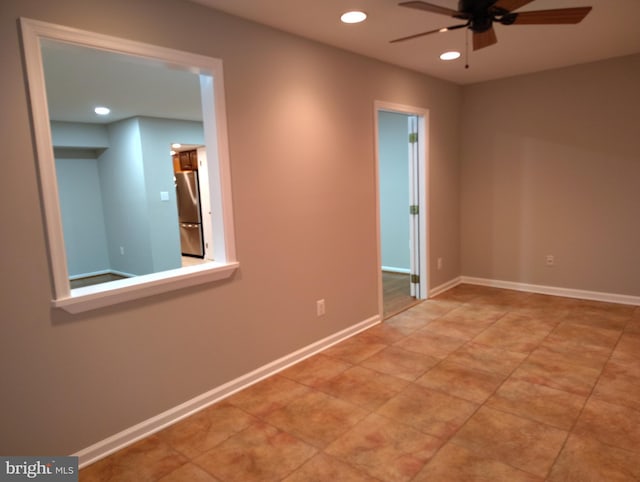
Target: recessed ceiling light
column 451, row 55
column 175, row 145
column 354, row 16
column 102, row 110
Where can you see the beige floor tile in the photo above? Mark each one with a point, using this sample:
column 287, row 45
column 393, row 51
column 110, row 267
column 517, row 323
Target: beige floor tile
column 573, row 355
column 386, row 333
column 323, row 468
column 587, row 335
column 267, row 395
column 429, row 343
column 516, row 333
column 633, row 326
column 584, row 459
column 628, row 348
column 620, row 383
column 456, row 329
column 363, row 387
column 606, row 315
column 435, row 308
column 260, row 452
column 501, row 299
column 527, row 445
column 474, row 315
column 317, row 418
column 408, row 322
column 461, row 381
column 431, row 412
column 457, row 464
column 539, row 305
column 355, row 349
column 610, row 424
column 404, row 364
column 463, row 293
column 486, row 358
column 538, row 402
column 576, row 379
column 315, row 370
column 148, row 459
column 206, row 429
column 189, row 472
column 385, row 449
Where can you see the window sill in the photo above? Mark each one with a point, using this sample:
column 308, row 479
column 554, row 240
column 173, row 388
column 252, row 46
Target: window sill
column 106, row 294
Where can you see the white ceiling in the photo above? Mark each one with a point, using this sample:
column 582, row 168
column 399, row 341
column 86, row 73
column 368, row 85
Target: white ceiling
column 79, row 78
column 610, row 30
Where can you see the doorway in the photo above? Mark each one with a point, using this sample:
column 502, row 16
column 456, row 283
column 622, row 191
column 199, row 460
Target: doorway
column 401, row 179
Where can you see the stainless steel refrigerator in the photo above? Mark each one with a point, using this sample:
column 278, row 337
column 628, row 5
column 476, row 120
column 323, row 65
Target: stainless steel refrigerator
column 189, row 216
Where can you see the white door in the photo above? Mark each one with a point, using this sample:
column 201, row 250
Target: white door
column 414, row 204
column 205, row 203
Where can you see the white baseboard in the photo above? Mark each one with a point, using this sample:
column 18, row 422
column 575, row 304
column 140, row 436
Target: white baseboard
column 100, row 273
column 122, row 273
column 392, row 269
column 150, row 426
column 445, row 286
column 554, row 290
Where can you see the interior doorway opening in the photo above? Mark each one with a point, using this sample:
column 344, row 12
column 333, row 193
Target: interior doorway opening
column 401, row 173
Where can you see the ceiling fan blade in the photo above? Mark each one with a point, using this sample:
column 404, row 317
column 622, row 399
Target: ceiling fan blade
column 428, row 7
column 511, row 5
column 484, row 39
column 422, row 34
column 552, row 17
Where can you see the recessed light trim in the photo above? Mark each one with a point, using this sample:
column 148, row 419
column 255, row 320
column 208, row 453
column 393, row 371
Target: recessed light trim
column 101, row 110
column 353, row 16
column 450, row 55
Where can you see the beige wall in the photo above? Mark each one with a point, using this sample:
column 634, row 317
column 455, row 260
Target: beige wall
column 300, row 119
column 551, row 165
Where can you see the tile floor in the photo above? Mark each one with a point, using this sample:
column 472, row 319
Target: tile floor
column 478, row 384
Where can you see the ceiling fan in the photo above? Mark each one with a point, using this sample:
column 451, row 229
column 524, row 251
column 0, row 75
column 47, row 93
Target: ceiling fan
column 480, row 16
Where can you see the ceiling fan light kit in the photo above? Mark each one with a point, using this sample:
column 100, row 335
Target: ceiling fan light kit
column 353, row 16
column 481, row 15
column 450, row 55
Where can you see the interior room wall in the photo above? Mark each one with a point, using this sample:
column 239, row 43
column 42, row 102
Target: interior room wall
column 156, row 137
column 76, row 147
column 393, row 155
column 75, row 135
column 301, row 140
column 126, row 211
column 82, row 215
column 550, row 167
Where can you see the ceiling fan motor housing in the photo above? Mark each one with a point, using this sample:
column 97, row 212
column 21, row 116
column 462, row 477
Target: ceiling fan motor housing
column 482, row 13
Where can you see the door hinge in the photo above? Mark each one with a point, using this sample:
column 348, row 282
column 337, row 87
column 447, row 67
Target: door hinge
column 413, row 137
column 415, row 278
column 414, row 209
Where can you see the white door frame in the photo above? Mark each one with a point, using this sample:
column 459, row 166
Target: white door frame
column 423, row 215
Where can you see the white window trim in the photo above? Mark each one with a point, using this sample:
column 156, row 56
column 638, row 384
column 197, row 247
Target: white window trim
column 215, row 127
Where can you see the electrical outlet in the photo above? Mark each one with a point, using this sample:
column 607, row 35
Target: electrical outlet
column 320, row 308
column 550, row 260
column 122, row 250
column 439, row 263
